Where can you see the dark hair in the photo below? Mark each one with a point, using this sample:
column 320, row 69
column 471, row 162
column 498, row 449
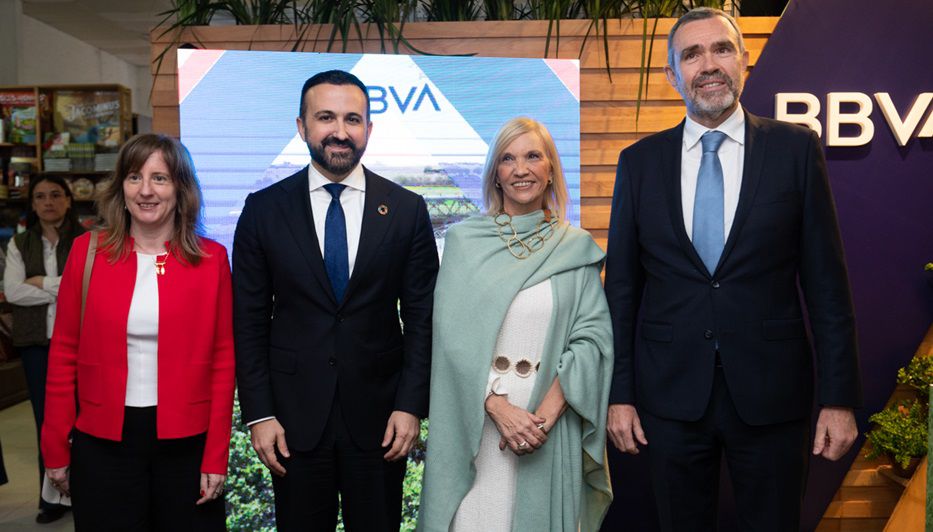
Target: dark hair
column 332, row 77
column 71, row 216
column 111, row 203
column 700, row 13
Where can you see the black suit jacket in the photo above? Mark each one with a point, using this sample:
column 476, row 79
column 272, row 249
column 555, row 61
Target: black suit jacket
column 668, row 310
column 298, row 348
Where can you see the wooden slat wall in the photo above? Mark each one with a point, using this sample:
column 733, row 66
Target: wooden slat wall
column 607, row 109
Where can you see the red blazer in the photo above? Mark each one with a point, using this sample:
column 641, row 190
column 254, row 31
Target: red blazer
column 195, row 354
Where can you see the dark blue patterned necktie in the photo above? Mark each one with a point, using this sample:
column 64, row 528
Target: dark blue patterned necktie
column 335, row 242
column 708, row 225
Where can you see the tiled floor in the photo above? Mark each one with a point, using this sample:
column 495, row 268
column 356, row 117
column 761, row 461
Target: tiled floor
column 19, row 497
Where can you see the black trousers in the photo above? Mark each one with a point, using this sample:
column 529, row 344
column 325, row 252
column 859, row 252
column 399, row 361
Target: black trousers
column 35, row 359
column 370, row 488
column 140, row 483
column 767, row 466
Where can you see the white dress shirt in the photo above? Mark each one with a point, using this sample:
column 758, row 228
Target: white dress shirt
column 732, row 158
column 351, row 199
column 19, row 293
column 142, row 336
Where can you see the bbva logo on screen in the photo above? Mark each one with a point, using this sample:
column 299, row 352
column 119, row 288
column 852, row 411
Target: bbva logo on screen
column 404, row 100
column 902, row 128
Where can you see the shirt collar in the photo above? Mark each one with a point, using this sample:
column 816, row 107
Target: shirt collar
column 733, row 127
column 356, row 179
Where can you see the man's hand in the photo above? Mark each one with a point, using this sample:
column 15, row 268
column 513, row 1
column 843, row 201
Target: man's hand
column 58, row 477
column 835, row 432
column 35, row 280
column 401, row 431
column 265, row 437
column 624, row 428
column 212, row 486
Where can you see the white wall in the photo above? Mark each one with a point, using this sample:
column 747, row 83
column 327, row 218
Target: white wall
column 48, row 56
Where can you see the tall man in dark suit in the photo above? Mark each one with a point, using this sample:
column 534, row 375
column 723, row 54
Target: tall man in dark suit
column 714, row 223
column 324, row 264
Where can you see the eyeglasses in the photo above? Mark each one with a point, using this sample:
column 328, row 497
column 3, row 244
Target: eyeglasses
column 523, row 367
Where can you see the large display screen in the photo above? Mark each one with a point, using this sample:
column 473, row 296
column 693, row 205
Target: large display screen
column 433, row 121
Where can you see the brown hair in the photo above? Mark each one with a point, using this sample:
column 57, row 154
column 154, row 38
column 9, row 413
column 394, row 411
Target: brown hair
column 555, row 196
column 185, row 243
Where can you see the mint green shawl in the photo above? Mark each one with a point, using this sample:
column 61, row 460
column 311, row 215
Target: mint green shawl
column 564, row 485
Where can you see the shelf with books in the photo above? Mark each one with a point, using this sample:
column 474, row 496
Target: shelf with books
column 70, row 131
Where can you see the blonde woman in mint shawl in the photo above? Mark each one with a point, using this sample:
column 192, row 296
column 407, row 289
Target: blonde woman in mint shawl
column 522, row 357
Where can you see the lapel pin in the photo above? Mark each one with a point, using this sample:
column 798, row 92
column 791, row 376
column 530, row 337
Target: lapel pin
column 383, row 209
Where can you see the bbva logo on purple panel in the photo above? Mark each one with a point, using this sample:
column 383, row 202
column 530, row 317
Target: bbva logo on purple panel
column 404, row 99
column 903, row 127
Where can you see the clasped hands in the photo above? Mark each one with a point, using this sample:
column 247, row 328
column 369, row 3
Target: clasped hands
column 522, row 431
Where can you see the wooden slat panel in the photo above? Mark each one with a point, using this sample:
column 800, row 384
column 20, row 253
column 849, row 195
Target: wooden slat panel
column 616, row 117
column 604, row 151
column 450, row 30
column 861, row 525
column 867, row 509
column 165, row 120
column 595, row 213
column 875, row 493
column 625, row 52
column 597, row 181
column 909, row 514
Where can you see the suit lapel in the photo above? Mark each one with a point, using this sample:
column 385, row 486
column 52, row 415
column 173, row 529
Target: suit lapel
column 301, row 225
column 378, row 211
column 755, row 145
column 672, row 159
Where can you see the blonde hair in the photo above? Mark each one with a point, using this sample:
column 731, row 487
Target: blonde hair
column 186, row 242
column 555, row 195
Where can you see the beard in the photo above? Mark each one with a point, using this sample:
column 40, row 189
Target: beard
column 710, row 106
column 336, row 163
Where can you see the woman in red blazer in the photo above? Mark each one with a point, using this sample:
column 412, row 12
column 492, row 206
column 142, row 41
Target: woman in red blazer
column 145, row 445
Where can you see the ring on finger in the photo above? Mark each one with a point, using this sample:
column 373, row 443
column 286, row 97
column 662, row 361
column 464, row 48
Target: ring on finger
column 522, row 444
column 540, row 426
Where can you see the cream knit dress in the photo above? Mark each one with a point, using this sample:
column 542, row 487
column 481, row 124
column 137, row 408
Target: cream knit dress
column 488, row 506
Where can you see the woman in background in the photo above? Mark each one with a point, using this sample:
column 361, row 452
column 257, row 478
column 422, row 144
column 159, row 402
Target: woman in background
column 36, row 258
column 522, row 357
column 152, row 361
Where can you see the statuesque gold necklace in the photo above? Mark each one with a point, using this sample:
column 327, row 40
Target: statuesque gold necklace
column 523, row 248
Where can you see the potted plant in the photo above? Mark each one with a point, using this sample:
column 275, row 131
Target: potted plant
column 918, row 375
column 900, row 432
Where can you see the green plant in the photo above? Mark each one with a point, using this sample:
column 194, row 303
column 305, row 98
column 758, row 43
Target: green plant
column 249, row 498
column 900, row 431
column 917, row 374
column 451, row 10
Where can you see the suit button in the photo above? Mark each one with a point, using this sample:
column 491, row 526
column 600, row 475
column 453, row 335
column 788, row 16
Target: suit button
column 339, row 318
column 332, row 361
column 708, row 334
column 715, row 284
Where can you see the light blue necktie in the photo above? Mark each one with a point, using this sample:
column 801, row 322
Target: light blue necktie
column 708, row 225
column 336, row 260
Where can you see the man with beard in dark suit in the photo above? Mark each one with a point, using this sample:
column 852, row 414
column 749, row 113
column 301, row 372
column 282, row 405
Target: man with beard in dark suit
column 325, row 262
